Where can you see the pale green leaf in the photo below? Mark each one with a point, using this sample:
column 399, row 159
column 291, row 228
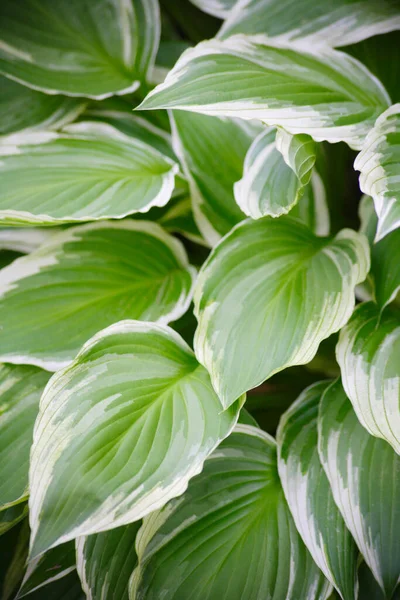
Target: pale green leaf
column 20, row 391
column 178, row 218
column 324, row 93
column 364, row 474
column 217, row 8
column 87, row 278
column 269, row 293
column 51, row 566
column 22, row 108
column 92, row 48
column 230, row 536
column 105, row 562
column 313, row 208
column 12, row 515
column 90, row 171
column 120, row 432
column 379, row 166
column 368, row 353
column 309, row 496
column 331, row 22
column 275, row 173
column 25, row 239
column 212, row 151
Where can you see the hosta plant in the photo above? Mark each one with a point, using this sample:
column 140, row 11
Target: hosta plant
column 199, row 299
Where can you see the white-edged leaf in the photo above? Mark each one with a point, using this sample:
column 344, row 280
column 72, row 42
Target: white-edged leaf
column 22, row 108
column 87, row 278
column 364, row 474
column 90, row 171
column 25, row 239
column 12, row 515
column 379, row 166
column 20, row 390
column 326, row 94
column 105, row 562
column 331, row 22
column 120, row 432
column 92, row 48
column 313, row 207
column 217, row 8
column 212, row 151
column 51, row 566
column 275, row 173
column 309, row 496
column 368, row 352
column 266, row 297
column 230, row 535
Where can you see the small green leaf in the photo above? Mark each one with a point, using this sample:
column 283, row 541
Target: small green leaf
column 230, row 535
column 91, row 171
column 87, row 278
column 20, row 391
column 105, row 562
column 313, row 208
column 324, row 93
column 309, row 496
column 92, row 48
column 368, row 353
column 275, row 173
column 12, row 515
column 66, row 588
column 212, row 151
column 51, row 566
column 378, row 163
column 120, row 432
column 364, row 474
column 269, row 293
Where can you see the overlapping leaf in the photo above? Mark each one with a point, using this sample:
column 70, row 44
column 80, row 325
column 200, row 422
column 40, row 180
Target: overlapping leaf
column 92, row 171
column 269, row 293
column 326, row 94
column 92, row 48
column 120, row 432
column 25, row 239
column 332, row 22
column 217, row 8
column 105, row 562
column 368, row 353
column 230, row 535
column 87, row 278
column 275, row 173
column 364, row 474
column 379, row 166
column 309, row 496
column 20, row 391
column 51, row 566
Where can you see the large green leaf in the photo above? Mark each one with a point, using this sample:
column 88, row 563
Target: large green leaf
column 275, row 173
column 213, row 151
column 87, row 278
column 120, row 432
column 92, row 48
column 309, row 496
column 379, row 166
column 91, row 171
column 20, row 391
column 269, row 293
column 326, row 94
column 51, row 566
column 22, row 108
column 364, row 474
column 331, row 22
column 105, row 562
column 230, row 535
column 368, row 353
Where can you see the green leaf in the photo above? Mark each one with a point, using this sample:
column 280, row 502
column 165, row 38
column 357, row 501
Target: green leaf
column 20, row 391
column 66, row 588
column 22, row 108
column 269, row 293
column 91, row 171
column 12, row 515
column 275, row 173
column 368, row 353
column 178, row 218
column 230, row 535
column 364, row 474
column 87, row 278
column 51, row 566
column 105, row 562
column 332, row 22
column 120, row 432
column 212, row 164
column 313, row 208
column 309, row 496
column 92, row 48
column 326, row 94
column 378, row 163
column 217, row 8
column 13, row 555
